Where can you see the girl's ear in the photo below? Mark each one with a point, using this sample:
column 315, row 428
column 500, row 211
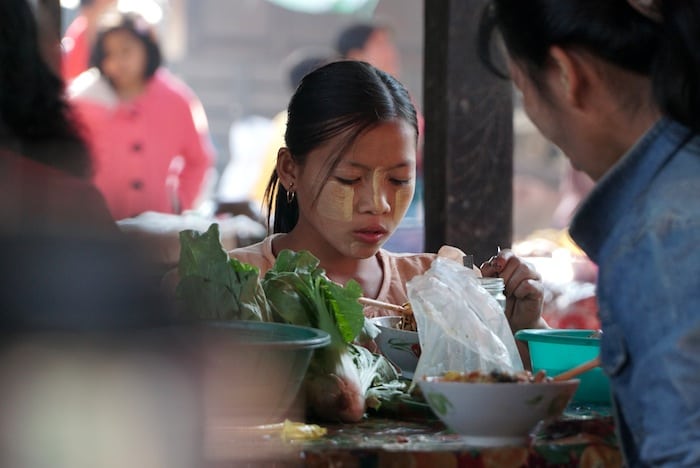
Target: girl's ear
column 287, row 168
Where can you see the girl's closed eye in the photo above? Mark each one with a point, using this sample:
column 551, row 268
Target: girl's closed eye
column 398, row 181
column 347, row 181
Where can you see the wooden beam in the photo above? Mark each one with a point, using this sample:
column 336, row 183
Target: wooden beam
column 468, row 153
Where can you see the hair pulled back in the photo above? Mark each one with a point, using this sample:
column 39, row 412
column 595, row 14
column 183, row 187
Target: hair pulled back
column 664, row 46
column 341, row 98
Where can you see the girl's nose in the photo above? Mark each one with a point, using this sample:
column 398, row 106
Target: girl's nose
column 375, row 198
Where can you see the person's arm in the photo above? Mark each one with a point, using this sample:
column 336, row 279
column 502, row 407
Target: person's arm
column 197, row 152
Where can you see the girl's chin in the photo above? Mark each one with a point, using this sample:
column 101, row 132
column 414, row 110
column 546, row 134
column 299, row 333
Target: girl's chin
column 363, row 251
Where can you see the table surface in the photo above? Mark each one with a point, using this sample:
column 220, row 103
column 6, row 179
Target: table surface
column 582, row 437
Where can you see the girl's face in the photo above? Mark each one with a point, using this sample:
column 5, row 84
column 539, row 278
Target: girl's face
column 124, row 60
column 365, row 197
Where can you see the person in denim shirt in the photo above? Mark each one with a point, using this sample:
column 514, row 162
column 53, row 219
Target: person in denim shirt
column 616, row 85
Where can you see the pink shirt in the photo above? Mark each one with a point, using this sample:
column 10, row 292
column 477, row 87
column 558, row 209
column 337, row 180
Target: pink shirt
column 398, row 268
column 150, row 153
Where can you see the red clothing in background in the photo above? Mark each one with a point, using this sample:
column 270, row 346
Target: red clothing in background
column 76, row 50
column 150, row 153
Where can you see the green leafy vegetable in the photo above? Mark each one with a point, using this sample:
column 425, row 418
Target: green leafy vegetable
column 300, row 293
column 215, row 287
column 296, row 291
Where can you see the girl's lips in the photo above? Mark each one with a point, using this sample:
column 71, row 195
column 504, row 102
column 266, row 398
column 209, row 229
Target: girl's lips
column 370, row 235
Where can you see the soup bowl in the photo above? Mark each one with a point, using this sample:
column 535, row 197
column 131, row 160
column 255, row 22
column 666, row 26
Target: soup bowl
column 497, row 413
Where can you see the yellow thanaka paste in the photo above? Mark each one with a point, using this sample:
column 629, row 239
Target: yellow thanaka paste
column 336, row 201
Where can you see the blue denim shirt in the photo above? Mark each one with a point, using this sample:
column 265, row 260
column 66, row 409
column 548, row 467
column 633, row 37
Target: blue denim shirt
column 641, row 225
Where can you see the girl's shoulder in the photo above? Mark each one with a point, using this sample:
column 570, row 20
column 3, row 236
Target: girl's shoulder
column 259, row 255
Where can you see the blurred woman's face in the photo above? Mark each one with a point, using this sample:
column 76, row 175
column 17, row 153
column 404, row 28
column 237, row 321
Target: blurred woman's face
column 381, row 51
column 125, row 60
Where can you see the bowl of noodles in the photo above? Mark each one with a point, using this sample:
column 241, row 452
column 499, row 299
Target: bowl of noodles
column 398, row 342
column 496, row 408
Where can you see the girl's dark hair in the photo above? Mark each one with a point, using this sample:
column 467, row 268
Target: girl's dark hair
column 341, row 98
column 137, row 27
column 34, row 115
column 668, row 51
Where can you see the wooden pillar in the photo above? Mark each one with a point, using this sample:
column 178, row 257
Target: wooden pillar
column 468, row 153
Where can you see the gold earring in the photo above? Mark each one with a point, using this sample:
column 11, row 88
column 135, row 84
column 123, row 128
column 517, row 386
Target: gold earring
column 290, row 193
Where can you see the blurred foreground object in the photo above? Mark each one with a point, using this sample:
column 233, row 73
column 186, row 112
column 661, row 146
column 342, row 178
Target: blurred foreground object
column 89, row 375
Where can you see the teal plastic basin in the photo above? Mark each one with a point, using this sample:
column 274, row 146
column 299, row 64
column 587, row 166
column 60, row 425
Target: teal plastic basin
column 556, row 351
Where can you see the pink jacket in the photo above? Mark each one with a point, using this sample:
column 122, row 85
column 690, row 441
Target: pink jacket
column 150, row 153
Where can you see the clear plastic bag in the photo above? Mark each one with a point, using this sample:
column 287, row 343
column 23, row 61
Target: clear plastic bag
column 461, row 327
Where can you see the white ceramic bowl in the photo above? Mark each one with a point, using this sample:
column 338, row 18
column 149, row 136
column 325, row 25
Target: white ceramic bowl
column 496, row 414
column 399, row 346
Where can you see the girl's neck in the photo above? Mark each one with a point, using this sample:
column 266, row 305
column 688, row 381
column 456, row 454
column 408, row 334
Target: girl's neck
column 366, row 271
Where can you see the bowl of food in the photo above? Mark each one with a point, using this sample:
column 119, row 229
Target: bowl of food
column 556, row 351
column 400, row 346
column 495, row 409
column 251, row 372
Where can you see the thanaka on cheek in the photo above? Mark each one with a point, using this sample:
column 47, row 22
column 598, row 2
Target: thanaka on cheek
column 402, row 200
column 336, row 201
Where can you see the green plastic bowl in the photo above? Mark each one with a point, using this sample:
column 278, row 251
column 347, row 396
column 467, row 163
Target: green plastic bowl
column 556, row 351
column 252, row 371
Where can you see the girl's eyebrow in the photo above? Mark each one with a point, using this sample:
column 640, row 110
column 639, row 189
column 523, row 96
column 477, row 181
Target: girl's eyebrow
column 367, row 168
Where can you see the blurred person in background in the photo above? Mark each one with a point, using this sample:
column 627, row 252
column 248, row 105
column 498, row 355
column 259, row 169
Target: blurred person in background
column 80, row 37
column 45, row 167
column 371, row 43
column 147, row 130
column 614, row 84
column 573, row 188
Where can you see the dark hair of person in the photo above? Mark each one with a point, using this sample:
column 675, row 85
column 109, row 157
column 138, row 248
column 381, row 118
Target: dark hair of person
column 356, row 36
column 137, row 27
column 35, row 118
column 667, row 49
column 344, row 98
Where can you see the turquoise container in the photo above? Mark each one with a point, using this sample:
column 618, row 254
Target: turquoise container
column 556, row 351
